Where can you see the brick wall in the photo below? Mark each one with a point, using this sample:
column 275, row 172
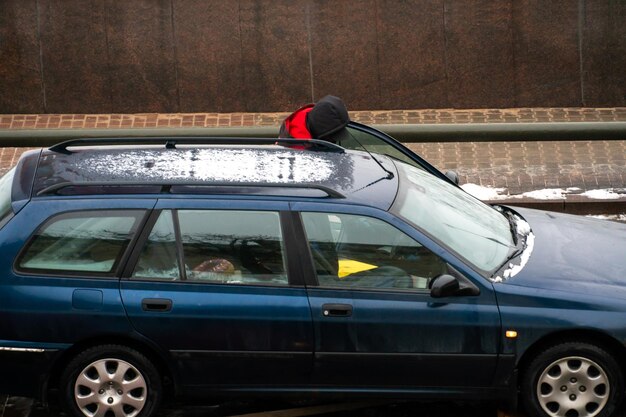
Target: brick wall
column 187, row 56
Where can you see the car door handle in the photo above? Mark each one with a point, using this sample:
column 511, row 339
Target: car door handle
column 156, row 304
column 337, row 310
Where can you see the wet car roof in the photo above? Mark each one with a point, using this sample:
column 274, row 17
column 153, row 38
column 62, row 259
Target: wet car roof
column 353, row 174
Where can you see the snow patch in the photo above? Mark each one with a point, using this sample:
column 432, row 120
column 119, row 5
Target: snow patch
column 237, row 165
column 601, row 194
column 546, row 194
column 489, row 193
column 523, row 228
column 513, row 270
column 561, row 194
column 614, row 217
column 484, row 193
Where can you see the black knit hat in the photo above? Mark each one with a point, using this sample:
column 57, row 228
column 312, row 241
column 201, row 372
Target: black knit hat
column 328, row 116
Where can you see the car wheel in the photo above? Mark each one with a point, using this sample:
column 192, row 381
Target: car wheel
column 572, row 380
column 111, row 381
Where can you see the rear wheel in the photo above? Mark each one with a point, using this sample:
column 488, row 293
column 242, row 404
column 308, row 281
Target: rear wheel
column 572, row 380
column 111, row 381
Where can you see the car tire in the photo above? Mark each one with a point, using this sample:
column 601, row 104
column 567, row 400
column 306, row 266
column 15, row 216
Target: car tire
column 111, row 377
column 572, row 379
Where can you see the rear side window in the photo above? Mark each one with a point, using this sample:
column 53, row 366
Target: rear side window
column 92, row 241
column 215, row 246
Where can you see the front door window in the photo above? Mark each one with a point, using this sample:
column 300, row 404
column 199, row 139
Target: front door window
column 364, row 252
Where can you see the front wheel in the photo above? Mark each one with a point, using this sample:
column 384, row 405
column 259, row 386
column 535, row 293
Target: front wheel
column 572, row 380
column 111, row 381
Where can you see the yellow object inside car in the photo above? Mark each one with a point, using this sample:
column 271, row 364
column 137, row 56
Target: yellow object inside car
column 349, row 267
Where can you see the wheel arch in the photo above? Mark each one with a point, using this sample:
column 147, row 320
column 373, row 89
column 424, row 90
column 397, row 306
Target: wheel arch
column 169, row 377
column 591, row 336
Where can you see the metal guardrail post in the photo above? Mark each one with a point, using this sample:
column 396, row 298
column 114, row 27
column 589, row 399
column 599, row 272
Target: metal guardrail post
column 409, row 133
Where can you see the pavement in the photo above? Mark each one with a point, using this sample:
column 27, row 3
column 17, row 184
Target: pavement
column 25, row 407
column 495, row 171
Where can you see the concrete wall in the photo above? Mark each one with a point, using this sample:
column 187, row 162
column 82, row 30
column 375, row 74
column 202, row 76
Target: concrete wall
column 104, row 56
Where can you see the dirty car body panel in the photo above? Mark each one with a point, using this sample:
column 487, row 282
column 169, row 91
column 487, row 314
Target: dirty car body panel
column 247, row 269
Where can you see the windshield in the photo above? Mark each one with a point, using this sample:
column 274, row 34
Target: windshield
column 478, row 233
column 5, row 193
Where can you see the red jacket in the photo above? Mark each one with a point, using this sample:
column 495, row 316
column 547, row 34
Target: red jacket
column 294, row 126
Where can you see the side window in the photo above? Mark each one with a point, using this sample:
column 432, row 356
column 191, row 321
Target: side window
column 218, row 246
column 91, row 241
column 364, row 252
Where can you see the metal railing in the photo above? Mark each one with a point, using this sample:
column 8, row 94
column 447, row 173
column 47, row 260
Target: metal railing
column 408, row 133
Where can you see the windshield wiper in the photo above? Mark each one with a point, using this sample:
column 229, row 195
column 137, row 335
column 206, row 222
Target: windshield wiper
column 512, row 225
column 493, row 239
column 520, row 246
column 389, row 173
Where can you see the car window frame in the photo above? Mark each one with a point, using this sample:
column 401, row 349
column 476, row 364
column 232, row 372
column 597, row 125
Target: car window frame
column 308, row 266
column 356, row 288
column 292, row 268
column 59, row 273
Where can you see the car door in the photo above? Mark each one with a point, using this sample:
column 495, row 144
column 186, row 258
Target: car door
column 64, row 286
column 375, row 321
column 211, row 286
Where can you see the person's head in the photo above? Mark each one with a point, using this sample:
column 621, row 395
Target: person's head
column 327, row 118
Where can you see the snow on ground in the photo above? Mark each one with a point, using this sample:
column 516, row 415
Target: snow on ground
column 614, row 217
column 602, row 194
column 490, row 193
column 545, row 194
column 484, row 193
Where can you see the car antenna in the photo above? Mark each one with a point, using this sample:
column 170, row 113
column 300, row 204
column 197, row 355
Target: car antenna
column 389, row 173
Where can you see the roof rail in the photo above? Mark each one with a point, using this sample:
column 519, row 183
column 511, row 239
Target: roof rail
column 166, row 187
column 171, row 142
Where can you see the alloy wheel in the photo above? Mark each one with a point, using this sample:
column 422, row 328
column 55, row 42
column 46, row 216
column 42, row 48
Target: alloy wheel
column 110, row 387
column 573, row 387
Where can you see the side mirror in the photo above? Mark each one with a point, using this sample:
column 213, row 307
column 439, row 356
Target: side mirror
column 443, row 286
column 453, row 176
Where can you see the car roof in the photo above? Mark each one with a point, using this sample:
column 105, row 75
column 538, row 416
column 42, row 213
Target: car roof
column 324, row 172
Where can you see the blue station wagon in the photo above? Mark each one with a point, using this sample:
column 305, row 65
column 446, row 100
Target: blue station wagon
column 149, row 270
